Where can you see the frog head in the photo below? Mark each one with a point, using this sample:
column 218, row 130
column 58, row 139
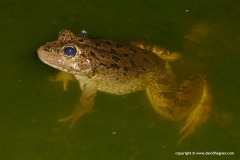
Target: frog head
column 66, row 54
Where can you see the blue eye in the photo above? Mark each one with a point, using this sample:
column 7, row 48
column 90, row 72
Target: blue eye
column 70, row 51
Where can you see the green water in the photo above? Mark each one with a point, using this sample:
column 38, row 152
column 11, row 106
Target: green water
column 122, row 127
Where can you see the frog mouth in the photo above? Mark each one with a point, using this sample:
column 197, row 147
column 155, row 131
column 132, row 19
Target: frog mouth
column 52, row 59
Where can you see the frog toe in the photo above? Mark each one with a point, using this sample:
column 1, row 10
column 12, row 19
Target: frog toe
column 71, row 118
column 189, row 128
column 76, row 115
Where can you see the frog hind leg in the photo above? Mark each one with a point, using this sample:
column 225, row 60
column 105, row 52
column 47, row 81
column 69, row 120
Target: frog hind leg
column 161, row 52
column 199, row 115
column 192, row 99
column 85, row 105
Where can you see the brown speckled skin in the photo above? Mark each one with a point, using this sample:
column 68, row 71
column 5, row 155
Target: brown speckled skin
column 118, row 68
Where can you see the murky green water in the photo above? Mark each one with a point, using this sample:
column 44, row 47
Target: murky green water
column 122, row 128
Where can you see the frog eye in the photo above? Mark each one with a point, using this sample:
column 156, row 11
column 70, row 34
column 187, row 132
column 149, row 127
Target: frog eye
column 69, row 51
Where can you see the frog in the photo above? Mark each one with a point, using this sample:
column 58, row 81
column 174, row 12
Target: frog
column 118, row 68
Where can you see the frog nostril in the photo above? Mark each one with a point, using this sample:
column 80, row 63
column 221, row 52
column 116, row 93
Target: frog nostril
column 48, row 48
column 69, row 51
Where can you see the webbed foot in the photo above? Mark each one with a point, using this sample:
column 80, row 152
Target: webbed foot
column 77, row 114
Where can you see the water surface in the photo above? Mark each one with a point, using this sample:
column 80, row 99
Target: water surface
column 206, row 33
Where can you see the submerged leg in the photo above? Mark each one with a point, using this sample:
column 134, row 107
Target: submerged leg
column 192, row 99
column 199, row 115
column 64, row 77
column 85, row 104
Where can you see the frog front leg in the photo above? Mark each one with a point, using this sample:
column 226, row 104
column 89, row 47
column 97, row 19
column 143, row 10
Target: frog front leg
column 192, row 99
column 63, row 77
column 85, row 104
